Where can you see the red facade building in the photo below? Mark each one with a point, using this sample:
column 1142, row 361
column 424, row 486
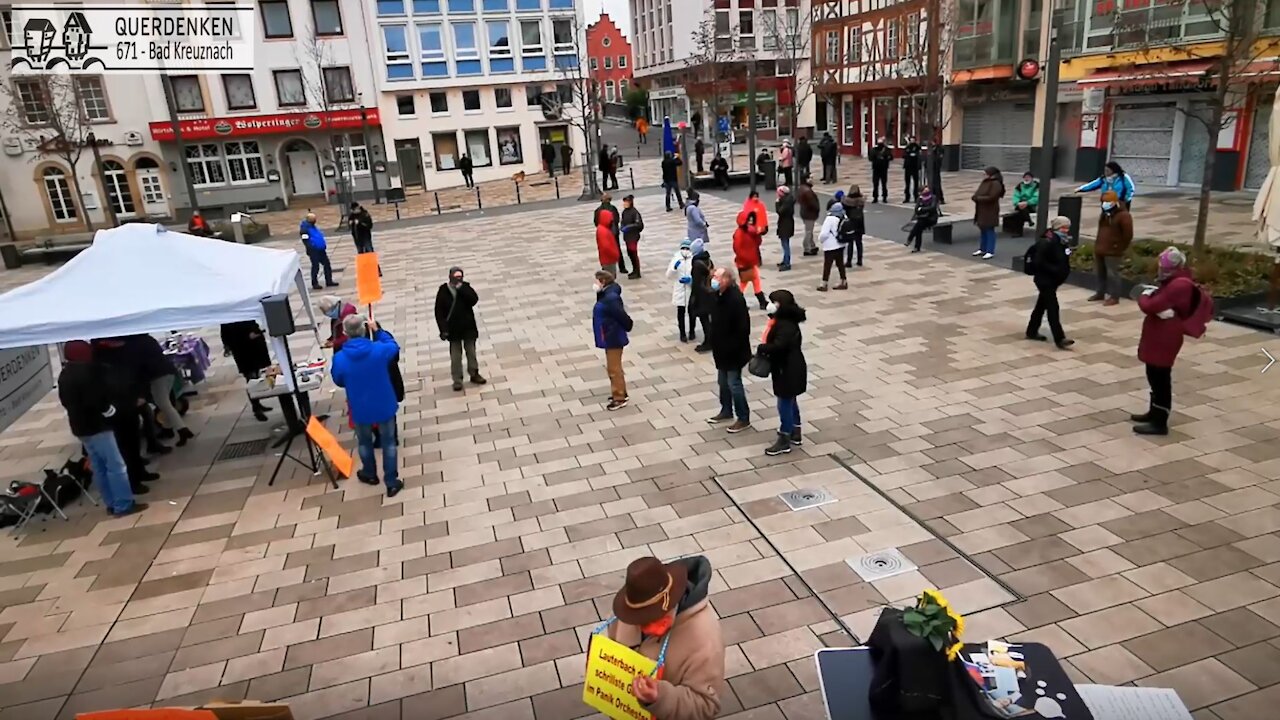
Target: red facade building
column 610, row 60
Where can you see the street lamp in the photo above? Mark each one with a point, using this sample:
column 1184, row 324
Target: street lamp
column 1047, row 131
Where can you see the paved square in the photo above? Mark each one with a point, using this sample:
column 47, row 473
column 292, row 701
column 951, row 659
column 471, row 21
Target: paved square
column 1155, row 561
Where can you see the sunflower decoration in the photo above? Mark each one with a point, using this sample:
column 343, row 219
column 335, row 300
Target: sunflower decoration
column 933, row 619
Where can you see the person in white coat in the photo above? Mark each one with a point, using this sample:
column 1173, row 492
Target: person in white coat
column 681, row 269
column 832, row 247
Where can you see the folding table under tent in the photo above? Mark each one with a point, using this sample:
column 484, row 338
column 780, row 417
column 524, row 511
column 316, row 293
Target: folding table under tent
column 140, row 278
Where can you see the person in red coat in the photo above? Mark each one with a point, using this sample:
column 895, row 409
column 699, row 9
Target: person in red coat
column 1165, row 306
column 746, row 249
column 606, row 241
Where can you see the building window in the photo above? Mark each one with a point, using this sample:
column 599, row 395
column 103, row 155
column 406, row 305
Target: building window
column 595, row 64
column 509, row 150
column 446, row 149
column 522, row 5
column 405, row 106
column 562, row 35
column 390, row 8
column 913, row 35
column 608, row 63
column 769, row 24
column 533, row 96
column 724, row 40
column 622, row 89
column 497, row 5
column 471, row 100
column 531, row 37
column 6, row 26
column 502, row 97
column 478, row 147
column 337, row 85
column 239, row 92
column 289, row 88
column 58, row 190
column 832, row 54
column 186, row 93
column 891, row 50
column 244, row 162
column 395, row 52
column 853, row 48
column 439, row 103
column 93, row 98
column 275, row 19
column 149, row 182
column 499, row 38
column 610, row 91
column 118, row 192
column 622, row 61
column 431, row 45
column 747, row 29
column 327, row 17
column 426, row 7
column 462, row 6
column 606, row 41
column 464, row 41
column 205, row 162
column 350, row 150
column 31, row 96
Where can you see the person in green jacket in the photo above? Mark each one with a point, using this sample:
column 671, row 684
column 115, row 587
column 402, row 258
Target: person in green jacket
column 1026, row 196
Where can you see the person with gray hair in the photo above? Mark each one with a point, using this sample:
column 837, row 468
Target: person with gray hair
column 363, row 370
column 1048, row 263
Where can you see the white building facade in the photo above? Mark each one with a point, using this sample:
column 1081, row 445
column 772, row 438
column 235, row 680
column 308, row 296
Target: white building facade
column 475, row 78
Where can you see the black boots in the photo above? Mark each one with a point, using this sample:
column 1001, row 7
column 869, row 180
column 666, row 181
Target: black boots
column 764, row 303
column 259, row 410
column 1154, row 422
column 183, row 436
column 781, row 446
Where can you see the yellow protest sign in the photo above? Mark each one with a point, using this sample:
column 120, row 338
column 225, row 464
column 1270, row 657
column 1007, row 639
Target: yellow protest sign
column 368, row 282
column 338, row 456
column 611, row 667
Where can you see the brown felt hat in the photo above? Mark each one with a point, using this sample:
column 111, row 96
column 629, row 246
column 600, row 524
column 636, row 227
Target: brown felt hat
column 651, row 590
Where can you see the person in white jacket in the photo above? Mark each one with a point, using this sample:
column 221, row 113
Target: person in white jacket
column 681, row 268
column 832, row 248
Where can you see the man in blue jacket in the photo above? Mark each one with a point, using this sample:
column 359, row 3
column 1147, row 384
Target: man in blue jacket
column 610, row 325
column 317, row 251
column 363, row 369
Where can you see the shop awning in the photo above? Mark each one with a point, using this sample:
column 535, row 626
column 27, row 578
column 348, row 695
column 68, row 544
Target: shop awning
column 1184, row 73
column 1262, row 67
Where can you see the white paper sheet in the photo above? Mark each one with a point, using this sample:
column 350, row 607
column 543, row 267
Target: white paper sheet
column 1132, row 703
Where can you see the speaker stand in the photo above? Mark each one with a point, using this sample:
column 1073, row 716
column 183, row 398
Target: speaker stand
column 315, row 460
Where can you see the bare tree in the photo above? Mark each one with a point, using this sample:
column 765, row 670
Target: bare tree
column 577, row 101
column 1243, row 59
column 926, row 46
column 788, row 32
column 328, row 87
column 712, row 66
column 47, row 111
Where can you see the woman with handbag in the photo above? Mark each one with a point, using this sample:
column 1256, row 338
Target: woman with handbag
column 780, row 349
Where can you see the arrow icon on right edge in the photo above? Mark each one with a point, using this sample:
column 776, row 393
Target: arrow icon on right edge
column 1270, row 358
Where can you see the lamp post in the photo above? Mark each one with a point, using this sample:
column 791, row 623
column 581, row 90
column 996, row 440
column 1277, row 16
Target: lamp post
column 368, row 149
column 751, row 120
column 172, row 107
column 1048, row 130
column 110, row 209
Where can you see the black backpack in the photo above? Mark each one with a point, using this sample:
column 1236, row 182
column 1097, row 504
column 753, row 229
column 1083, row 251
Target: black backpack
column 848, row 230
column 1029, row 259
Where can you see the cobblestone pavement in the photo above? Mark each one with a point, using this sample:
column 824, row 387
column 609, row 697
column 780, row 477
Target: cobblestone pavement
column 1155, row 561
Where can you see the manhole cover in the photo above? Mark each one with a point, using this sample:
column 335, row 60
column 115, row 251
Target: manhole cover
column 249, row 448
column 806, row 498
column 881, row 564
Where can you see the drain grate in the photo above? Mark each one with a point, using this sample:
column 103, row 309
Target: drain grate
column 806, row 498
column 248, row 448
column 881, row 564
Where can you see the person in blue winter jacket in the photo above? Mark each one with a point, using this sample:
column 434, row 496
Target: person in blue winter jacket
column 363, row 370
column 317, row 251
column 610, row 324
column 1115, row 179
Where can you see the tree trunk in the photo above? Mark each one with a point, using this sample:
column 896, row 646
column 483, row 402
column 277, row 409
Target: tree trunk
column 75, row 188
column 1206, row 179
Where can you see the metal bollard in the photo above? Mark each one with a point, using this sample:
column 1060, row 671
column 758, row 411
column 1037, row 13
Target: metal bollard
column 397, row 204
column 557, row 181
column 479, row 202
column 438, row 210
column 632, row 172
column 517, row 193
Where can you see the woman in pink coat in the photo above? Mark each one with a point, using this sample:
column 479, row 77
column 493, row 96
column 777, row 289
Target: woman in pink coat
column 1165, row 305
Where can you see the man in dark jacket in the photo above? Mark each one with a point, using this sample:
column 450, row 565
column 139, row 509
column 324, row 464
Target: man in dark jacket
column 468, row 170
column 361, row 228
column 720, row 170
column 610, row 325
column 671, row 179
column 632, row 226
column 1050, row 266
column 607, row 172
column 456, row 318
column 810, row 211
column 827, row 148
column 730, row 348
column 566, row 158
column 363, row 370
column 911, row 171
column 248, row 347
column 935, row 171
column 804, row 158
column 701, row 299
column 606, row 203
column 83, row 392
column 123, row 381
column 787, row 367
column 549, row 157
column 880, row 156
column 699, row 149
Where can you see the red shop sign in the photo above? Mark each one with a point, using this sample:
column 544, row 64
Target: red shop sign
column 250, row 125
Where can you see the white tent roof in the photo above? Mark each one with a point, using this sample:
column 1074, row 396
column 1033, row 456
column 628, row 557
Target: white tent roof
column 141, row 279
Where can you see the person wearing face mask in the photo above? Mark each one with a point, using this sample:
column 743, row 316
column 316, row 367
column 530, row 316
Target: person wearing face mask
column 1115, row 179
column 1026, row 197
column 681, row 268
column 747, row 240
column 610, row 325
column 854, row 225
column 332, row 307
column 456, row 318
column 632, row 226
column 1167, row 307
column 986, row 211
column 696, row 225
column 832, row 248
column 881, row 157
column 731, row 349
column 1050, row 266
column 911, row 171
column 781, row 346
column 1115, row 232
column 701, row 298
column 926, row 216
column 662, row 612
column 786, row 209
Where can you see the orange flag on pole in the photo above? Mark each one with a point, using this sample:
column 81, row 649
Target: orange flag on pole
column 368, row 283
column 338, row 456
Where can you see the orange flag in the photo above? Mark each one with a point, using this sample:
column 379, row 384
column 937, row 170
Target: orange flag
column 368, row 283
column 338, row 456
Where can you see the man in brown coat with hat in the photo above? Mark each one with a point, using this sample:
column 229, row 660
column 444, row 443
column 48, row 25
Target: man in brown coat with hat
column 1115, row 232
column 662, row 612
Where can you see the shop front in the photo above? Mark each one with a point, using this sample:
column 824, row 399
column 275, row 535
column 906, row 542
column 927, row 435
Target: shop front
column 669, row 102
column 263, row 162
column 996, row 127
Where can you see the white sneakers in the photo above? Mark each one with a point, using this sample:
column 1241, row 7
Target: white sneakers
column 976, row 253
column 988, row 256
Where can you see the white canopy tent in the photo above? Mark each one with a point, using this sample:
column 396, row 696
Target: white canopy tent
column 141, row 278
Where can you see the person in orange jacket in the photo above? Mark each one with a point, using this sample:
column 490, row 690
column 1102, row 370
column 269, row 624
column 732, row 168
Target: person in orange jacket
column 642, row 129
column 606, row 242
column 746, row 247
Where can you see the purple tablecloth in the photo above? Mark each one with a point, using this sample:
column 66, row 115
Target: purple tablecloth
column 191, row 357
